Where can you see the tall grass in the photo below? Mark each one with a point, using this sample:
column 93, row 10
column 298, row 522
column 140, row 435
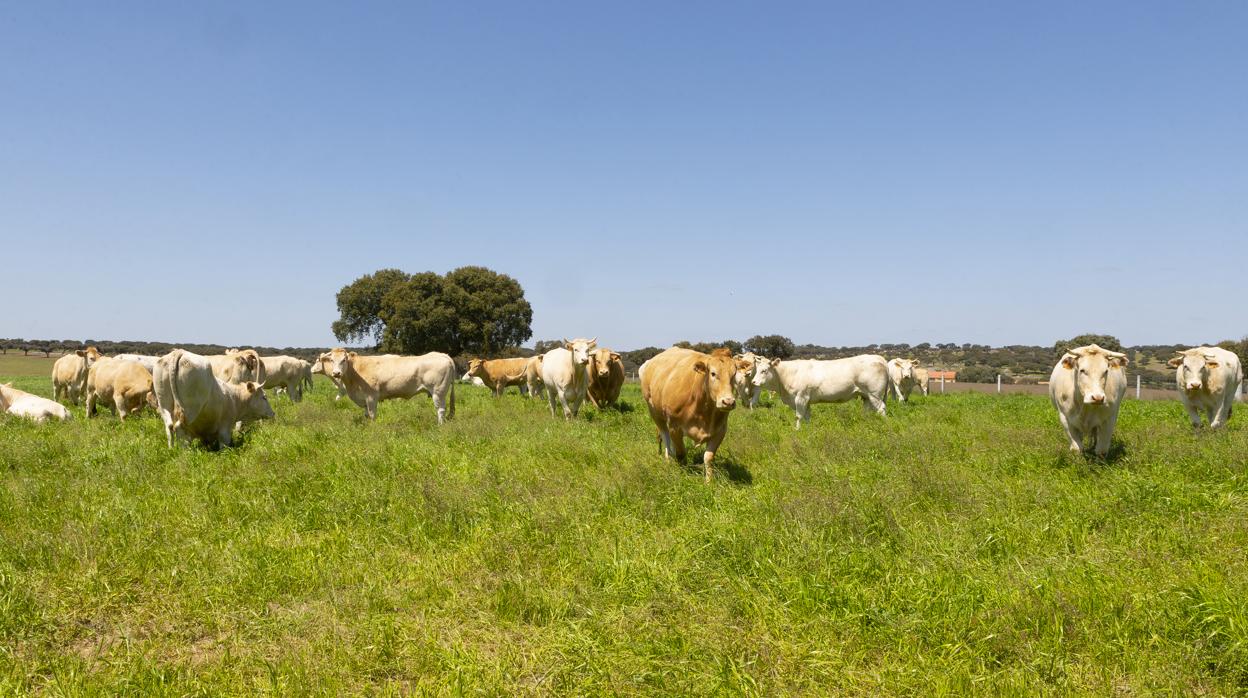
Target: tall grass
column 954, row 547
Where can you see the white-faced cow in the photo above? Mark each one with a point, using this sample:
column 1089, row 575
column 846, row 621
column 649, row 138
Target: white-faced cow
column 370, row 379
column 801, row 383
column 901, row 376
column 1087, row 386
column 1209, row 379
column 743, row 384
column 922, row 379
column 689, row 393
column 565, row 375
column 20, row 403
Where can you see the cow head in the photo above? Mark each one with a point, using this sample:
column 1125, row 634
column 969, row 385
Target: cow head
column 255, row 403
column 1193, row 367
column 338, row 362
column 580, row 349
column 765, row 371
column 718, row 371
column 600, row 362
column 91, row 354
column 476, row 367
column 1092, row 365
column 905, row 367
column 318, row 366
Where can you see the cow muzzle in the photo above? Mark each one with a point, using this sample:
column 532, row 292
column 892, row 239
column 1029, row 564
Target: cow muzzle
column 1095, row 399
column 1193, row 386
column 336, row 374
column 726, row 403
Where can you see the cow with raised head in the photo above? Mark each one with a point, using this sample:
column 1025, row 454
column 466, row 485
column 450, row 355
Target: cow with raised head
column 1209, row 380
column 20, row 403
column 195, row 404
column 499, row 374
column 901, row 376
column 370, row 379
column 123, row 385
column 743, row 384
column 566, row 376
column 69, row 374
column 689, row 393
column 1086, row 387
column 321, row 366
column 801, row 383
column 605, row 371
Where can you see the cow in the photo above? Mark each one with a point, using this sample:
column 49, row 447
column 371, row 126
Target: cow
column 921, row 379
column 321, row 366
column 472, row 379
column 20, row 403
column 499, row 374
column 195, row 404
column 69, row 374
column 238, row 366
column 801, row 383
column 148, row 362
column 605, row 371
column 533, row 376
column 565, row 375
column 371, row 379
column 124, row 384
column 901, row 376
column 744, row 386
column 1209, row 379
column 285, row 372
column 1086, row 387
column 689, row 393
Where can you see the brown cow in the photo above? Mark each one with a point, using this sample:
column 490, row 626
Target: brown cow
column 499, row 374
column 124, row 385
column 606, row 377
column 690, row 394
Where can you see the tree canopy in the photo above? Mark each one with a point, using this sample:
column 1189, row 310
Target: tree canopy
column 1104, row 341
column 469, row 310
column 773, row 346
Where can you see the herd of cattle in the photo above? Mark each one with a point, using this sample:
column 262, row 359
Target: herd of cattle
column 687, row 393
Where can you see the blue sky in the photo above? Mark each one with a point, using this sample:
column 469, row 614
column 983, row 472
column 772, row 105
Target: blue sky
column 996, row 173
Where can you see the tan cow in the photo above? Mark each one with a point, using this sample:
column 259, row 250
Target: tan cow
column 1086, row 387
column 690, row 394
column 238, row 366
column 285, row 372
column 370, row 379
column 922, row 379
column 123, row 384
column 23, row 404
column 194, row 404
column 1209, row 379
column 69, row 374
column 606, row 377
column 499, row 374
column 321, row 366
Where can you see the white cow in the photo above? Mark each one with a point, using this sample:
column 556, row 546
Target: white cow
column 371, row 379
column 803, row 382
column 23, row 404
column 285, row 372
column 148, row 362
column 475, row 380
column 1209, row 380
column 69, row 374
column 743, row 381
column 901, row 376
column 321, row 366
column 565, row 375
column 922, row 379
column 1086, row 387
column 237, row 366
column 194, row 403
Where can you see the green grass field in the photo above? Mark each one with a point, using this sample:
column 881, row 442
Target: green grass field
column 953, row 548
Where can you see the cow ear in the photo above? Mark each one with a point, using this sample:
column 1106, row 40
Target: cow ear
column 1068, row 361
column 251, row 387
column 1211, row 363
column 916, row 362
column 1117, row 361
column 615, row 356
column 700, row 367
column 80, row 352
column 743, row 365
column 775, row 362
column 1175, row 362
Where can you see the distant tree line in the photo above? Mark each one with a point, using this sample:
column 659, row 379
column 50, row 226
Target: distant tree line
column 56, row 347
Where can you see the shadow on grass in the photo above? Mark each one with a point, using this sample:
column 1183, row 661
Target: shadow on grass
column 729, row 468
column 1067, row 458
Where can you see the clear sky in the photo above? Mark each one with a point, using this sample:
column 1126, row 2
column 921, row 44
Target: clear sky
column 999, row 173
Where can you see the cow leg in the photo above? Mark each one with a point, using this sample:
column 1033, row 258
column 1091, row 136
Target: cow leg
column 90, row 405
column 550, row 397
column 665, row 443
column 563, row 400
column 712, row 445
column 1104, row 435
column 370, row 407
column 802, row 408
column 439, row 403
column 1221, row 414
column 676, row 440
column 119, row 404
column 1193, row 414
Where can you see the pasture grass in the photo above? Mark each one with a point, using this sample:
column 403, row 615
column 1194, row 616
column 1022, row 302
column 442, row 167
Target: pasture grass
column 952, row 548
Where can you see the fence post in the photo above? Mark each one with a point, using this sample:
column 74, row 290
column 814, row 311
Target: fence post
column 942, row 382
column 998, row 383
column 1137, row 386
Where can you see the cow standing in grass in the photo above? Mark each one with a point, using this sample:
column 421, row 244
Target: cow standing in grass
column 499, row 374
column 370, row 379
column 689, row 393
column 1209, row 380
column 124, row 385
column 1087, row 386
column 194, row 404
column 743, row 384
column 901, row 376
column 922, row 380
column 801, row 383
column 606, row 377
column 69, row 374
column 565, row 375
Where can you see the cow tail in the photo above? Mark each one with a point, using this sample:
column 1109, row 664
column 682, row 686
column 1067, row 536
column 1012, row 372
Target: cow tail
column 178, row 413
